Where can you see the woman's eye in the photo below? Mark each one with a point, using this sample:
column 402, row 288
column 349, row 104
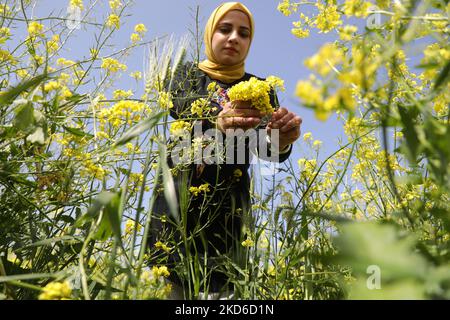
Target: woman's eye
column 224, row 30
column 244, row 34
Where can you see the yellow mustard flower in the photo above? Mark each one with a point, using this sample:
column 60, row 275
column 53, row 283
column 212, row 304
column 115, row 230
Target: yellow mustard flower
column 254, row 90
column 5, row 34
column 51, row 86
column 328, row 17
column 165, row 100
column 212, row 87
column 135, row 38
column 329, row 56
column 199, row 106
column 115, row 4
column 160, row 271
column 113, row 21
column 112, row 65
column 140, row 28
column 136, row 75
column 77, row 3
column 287, row 8
column 357, row 8
column 276, row 83
column 307, row 136
column 35, row 28
column 179, row 128
column 162, row 246
column 346, row 32
column 56, row 291
column 247, row 243
column 122, row 94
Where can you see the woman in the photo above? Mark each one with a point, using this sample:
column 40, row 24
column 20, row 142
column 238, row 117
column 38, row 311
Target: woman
column 210, row 230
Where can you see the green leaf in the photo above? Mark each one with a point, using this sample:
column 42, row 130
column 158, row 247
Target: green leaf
column 411, row 146
column 110, row 221
column 114, row 216
column 443, row 77
column 24, row 119
column 94, row 210
column 169, row 185
column 142, row 126
column 404, row 290
column 77, row 132
column 7, row 131
column 361, row 245
column 9, row 96
column 46, row 242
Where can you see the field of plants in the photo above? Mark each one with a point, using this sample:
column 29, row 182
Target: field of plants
column 80, row 158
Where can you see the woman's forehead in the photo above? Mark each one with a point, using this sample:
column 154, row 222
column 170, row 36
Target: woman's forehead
column 236, row 16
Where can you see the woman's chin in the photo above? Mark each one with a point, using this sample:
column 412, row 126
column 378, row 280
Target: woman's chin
column 229, row 61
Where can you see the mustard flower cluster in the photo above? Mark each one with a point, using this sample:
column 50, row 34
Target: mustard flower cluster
column 115, row 4
column 237, row 173
column 53, row 44
column 313, row 96
column 160, row 271
column 120, row 112
column 329, row 56
column 247, row 243
column 165, row 101
column 136, row 75
column 347, row 32
column 130, row 225
column 179, row 128
column 197, row 190
column 256, row 91
column 212, row 87
column 276, row 83
column 56, row 291
column 139, row 30
column 287, row 8
column 113, row 21
column 5, row 34
column 301, row 29
column 357, row 8
column 328, row 17
column 93, row 170
column 122, row 94
column 162, row 246
column 112, row 65
column 153, row 287
column 77, row 4
column 35, row 28
column 198, row 107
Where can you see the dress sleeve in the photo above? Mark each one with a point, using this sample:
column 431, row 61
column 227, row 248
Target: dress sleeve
column 184, row 89
column 188, row 85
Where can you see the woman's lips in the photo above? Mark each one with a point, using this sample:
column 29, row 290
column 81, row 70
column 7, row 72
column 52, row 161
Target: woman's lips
column 231, row 50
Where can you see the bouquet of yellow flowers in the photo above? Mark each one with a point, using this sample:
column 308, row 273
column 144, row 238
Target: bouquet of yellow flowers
column 257, row 92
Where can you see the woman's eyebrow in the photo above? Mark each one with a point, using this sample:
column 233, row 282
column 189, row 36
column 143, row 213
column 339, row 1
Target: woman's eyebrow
column 226, row 24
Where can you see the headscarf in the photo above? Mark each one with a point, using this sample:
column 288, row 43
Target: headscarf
column 211, row 66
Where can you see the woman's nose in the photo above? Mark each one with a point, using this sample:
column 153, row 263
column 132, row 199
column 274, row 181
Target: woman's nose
column 234, row 37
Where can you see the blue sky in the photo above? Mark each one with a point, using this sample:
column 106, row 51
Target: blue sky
column 274, row 51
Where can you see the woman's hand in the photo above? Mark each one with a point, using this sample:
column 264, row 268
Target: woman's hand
column 238, row 115
column 288, row 124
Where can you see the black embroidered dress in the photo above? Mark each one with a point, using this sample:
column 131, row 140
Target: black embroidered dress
column 212, row 220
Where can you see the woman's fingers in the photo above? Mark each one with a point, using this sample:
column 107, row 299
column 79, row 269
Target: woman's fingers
column 242, row 122
column 291, row 123
column 279, row 114
column 239, row 115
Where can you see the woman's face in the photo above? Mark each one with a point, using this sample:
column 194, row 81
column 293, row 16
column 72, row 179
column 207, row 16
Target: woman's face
column 231, row 39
